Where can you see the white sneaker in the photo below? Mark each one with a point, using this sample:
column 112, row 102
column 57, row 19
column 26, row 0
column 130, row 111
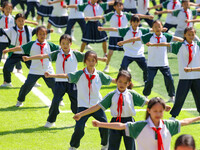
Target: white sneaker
column 19, row 104
column 172, row 99
column 6, row 85
column 72, row 148
column 104, row 147
column 49, row 36
column 129, row 70
column 172, row 118
column 19, row 71
column 37, row 85
column 49, row 124
column 106, row 69
column 73, row 38
column 59, row 31
column 4, row 56
column 61, row 103
column 34, row 19
column 88, row 47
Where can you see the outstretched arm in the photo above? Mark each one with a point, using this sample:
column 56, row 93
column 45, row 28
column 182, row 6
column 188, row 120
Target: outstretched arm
column 178, row 39
column 113, row 125
column 14, row 49
column 163, row 12
column 53, row 2
column 71, row 6
column 94, row 18
column 155, row 7
column 129, row 41
column 193, row 20
column 48, row 75
column 31, row 22
column 107, row 29
column 190, row 69
column 158, row 44
column 188, row 121
column 41, row 56
column 146, row 16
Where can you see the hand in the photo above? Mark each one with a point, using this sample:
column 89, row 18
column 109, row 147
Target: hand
column 149, row 8
column 25, row 58
column 100, row 28
column 95, row 123
column 51, row 30
column 164, row 29
column 104, row 59
column 156, row 12
column 187, row 21
column 187, row 69
column 65, row 6
column 77, row 117
column 151, row 17
column 120, row 43
column 50, row 3
column 87, row 18
column 167, row 108
column 149, row 44
column 47, row 75
column 5, row 51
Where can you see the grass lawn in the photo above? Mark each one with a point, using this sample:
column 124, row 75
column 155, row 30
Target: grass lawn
column 22, row 128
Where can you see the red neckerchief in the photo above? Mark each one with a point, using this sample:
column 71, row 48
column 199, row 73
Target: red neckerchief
column 64, row 59
column 158, row 38
column 134, row 33
column 20, row 37
column 61, row 3
column 174, row 5
column 76, row 2
column 190, row 53
column 93, row 7
column 89, row 81
column 42, row 52
column 144, row 4
column 119, row 20
column 187, row 15
column 6, row 22
column 119, row 107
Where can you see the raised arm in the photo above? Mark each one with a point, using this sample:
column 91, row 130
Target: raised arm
column 88, row 111
column 72, row 6
column 129, row 41
column 48, row 75
column 155, row 7
column 107, row 29
column 14, row 49
column 178, row 39
column 113, row 125
column 31, row 22
column 163, row 12
column 188, row 121
column 36, row 57
column 193, row 20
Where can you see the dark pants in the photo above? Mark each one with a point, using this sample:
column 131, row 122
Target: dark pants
column 116, row 135
column 154, row 3
column 30, row 82
column 71, row 23
column 60, row 89
column 31, row 7
column 169, row 26
column 150, row 22
column 9, row 65
column 2, row 47
column 182, row 90
column 80, row 125
column 21, row 2
column 133, row 11
column 169, row 82
column 141, row 61
column 18, row 65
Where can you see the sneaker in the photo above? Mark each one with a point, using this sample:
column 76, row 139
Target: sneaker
column 37, row 85
column 19, row 71
column 129, row 70
column 172, row 118
column 106, row 69
column 19, row 104
column 172, row 99
column 59, row 31
column 88, row 47
column 61, row 103
column 72, row 148
column 104, row 147
column 6, row 85
column 73, row 38
column 49, row 124
column 34, row 19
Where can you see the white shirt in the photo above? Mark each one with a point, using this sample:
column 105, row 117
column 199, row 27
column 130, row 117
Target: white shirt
column 74, row 13
column 58, row 10
column 142, row 9
column 33, row 0
column 44, row 3
column 129, row 4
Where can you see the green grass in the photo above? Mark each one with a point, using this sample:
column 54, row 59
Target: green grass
column 22, row 128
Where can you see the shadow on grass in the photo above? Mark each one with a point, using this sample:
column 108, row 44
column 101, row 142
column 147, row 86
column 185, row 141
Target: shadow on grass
column 138, row 86
column 9, row 87
column 14, row 108
column 31, row 130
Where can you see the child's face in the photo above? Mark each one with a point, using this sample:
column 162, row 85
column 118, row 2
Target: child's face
column 135, row 24
column 186, row 5
column 184, row 148
column 20, row 22
column 91, row 61
column 157, row 28
column 65, row 45
column 118, row 7
column 94, row 1
column 122, row 83
column 41, row 35
column 189, row 35
column 156, row 112
column 7, row 10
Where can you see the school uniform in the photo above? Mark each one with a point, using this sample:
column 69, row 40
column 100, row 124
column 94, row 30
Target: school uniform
column 59, row 16
column 157, row 60
column 187, row 80
column 45, row 9
column 20, row 2
column 181, row 16
column 89, row 96
column 116, row 21
column 142, row 131
column 75, row 16
column 134, row 51
column 38, row 67
column 130, row 6
column 110, row 7
column 130, row 100
column 142, row 9
column 64, row 64
column 171, row 21
column 31, row 5
column 91, row 33
column 5, row 23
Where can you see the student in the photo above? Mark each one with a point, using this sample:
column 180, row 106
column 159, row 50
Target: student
column 130, row 6
column 17, row 35
column 181, row 15
column 117, row 19
column 89, row 82
column 157, row 58
column 31, row 5
column 38, row 67
column 91, row 33
column 154, row 131
column 171, row 21
column 188, row 53
column 20, row 2
column 121, row 103
column 185, row 142
column 133, row 51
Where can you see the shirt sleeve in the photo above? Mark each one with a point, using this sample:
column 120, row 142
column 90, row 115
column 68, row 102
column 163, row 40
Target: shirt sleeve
column 175, row 46
column 108, row 16
column 79, row 56
column 176, row 12
column 144, row 30
column 146, row 38
column 173, row 126
column 164, row 4
column 53, row 55
column 194, row 12
column 81, row 7
column 169, row 37
column 26, row 48
column 138, row 99
column 8, row 32
column 105, row 79
column 107, row 101
column 128, row 16
column 104, row 6
column 74, row 76
column 53, row 47
column 122, row 31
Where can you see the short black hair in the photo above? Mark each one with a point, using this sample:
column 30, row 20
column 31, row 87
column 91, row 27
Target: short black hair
column 6, row 3
column 184, row 1
column 157, row 21
column 185, row 140
column 40, row 28
column 135, row 18
column 117, row 2
column 19, row 15
column 66, row 37
column 88, row 53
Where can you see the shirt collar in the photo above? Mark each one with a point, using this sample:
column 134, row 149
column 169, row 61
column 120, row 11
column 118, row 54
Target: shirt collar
column 151, row 124
column 118, row 14
column 95, row 71
column 154, row 35
column 124, row 93
column 137, row 29
column 19, row 29
column 6, row 16
column 184, row 10
column 41, row 43
column 185, row 42
column 62, row 52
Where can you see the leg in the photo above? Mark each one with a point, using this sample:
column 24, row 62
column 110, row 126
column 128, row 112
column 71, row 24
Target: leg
column 72, row 92
column 150, row 22
column 79, row 129
column 18, row 65
column 83, row 46
column 143, row 65
column 70, row 24
column 149, row 83
column 128, row 142
column 104, row 46
column 82, row 24
column 110, row 53
column 27, row 86
column 195, row 91
column 125, row 62
column 30, row 7
column 50, row 83
column 2, row 47
column 181, row 93
column 114, row 139
column 169, row 82
column 60, row 89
